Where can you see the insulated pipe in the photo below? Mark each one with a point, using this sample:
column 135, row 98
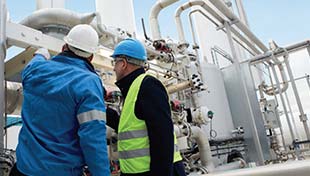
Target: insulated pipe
column 154, row 26
column 231, row 166
column 302, row 116
column 3, row 19
column 222, row 8
column 291, row 48
column 292, row 116
column 215, row 15
column 44, row 17
column 178, row 87
column 308, row 81
column 274, row 90
column 14, row 96
column 241, row 12
column 204, row 147
column 283, row 103
column 177, row 17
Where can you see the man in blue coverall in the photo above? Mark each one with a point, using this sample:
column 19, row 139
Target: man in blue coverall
column 63, row 111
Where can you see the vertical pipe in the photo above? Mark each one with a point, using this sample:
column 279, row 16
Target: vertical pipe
column 3, row 14
column 292, row 116
column 308, row 80
column 283, row 102
column 243, row 84
column 241, row 12
column 278, row 119
column 302, row 116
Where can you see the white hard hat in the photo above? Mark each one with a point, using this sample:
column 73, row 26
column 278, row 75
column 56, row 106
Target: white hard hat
column 83, row 37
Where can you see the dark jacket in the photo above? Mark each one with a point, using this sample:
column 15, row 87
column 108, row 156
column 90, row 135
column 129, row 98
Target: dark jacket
column 152, row 106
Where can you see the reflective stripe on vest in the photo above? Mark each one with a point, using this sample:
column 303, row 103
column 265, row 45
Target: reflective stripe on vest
column 134, row 153
column 133, row 142
column 91, row 115
column 177, row 155
column 132, row 134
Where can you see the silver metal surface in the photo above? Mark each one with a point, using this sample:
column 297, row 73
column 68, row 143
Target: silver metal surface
column 303, row 117
column 283, row 103
column 3, row 16
column 246, row 112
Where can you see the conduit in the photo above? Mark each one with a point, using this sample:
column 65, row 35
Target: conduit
column 206, row 7
column 204, row 147
column 157, row 7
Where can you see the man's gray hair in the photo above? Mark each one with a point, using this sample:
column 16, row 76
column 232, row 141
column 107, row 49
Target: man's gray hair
column 79, row 52
column 135, row 61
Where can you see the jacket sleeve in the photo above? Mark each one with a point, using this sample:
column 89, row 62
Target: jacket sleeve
column 91, row 115
column 112, row 118
column 152, row 106
column 36, row 60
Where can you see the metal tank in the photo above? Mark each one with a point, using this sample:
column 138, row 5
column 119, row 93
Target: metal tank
column 215, row 98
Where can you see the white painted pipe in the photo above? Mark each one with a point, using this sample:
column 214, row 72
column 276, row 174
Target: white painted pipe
column 300, row 168
column 274, row 90
column 215, row 14
column 178, row 87
column 229, row 14
column 241, row 12
column 43, row 17
column 154, row 25
column 231, row 166
column 303, row 117
column 204, row 147
column 283, row 103
column 177, row 17
column 14, row 96
column 3, row 19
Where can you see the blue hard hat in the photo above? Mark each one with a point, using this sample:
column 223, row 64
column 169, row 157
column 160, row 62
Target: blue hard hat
column 132, row 48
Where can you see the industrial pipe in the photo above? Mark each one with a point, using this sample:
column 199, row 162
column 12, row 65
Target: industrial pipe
column 154, row 26
column 270, row 90
column 215, row 15
column 303, row 117
column 222, row 8
column 279, row 52
column 283, row 103
column 241, row 12
column 3, row 19
column 56, row 16
column 178, row 87
column 231, row 166
column 204, row 147
column 14, row 96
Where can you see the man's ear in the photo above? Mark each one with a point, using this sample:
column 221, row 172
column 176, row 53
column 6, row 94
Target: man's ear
column 64, row 48
column 90, row 58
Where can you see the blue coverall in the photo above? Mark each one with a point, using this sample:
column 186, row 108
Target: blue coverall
column 63, row 118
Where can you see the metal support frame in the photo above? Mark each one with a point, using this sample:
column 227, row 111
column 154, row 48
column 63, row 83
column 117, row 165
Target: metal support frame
column 292, row 116
column 302, row 116
column 3, row 18
column 283, row 103
column 308, row 80
column 243, row 86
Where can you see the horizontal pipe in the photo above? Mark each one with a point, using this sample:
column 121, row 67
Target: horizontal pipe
column 277, row 53
column 43, row 17
column 222, row 7
column 178, row 87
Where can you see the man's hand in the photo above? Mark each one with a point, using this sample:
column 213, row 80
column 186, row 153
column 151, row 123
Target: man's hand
column 44, row 52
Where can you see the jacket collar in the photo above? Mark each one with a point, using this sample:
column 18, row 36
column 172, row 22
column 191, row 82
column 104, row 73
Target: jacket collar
column 71, row 58
column 125, row 83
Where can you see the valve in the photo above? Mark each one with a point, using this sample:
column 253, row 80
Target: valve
column 177, row 105
column 161, row 45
